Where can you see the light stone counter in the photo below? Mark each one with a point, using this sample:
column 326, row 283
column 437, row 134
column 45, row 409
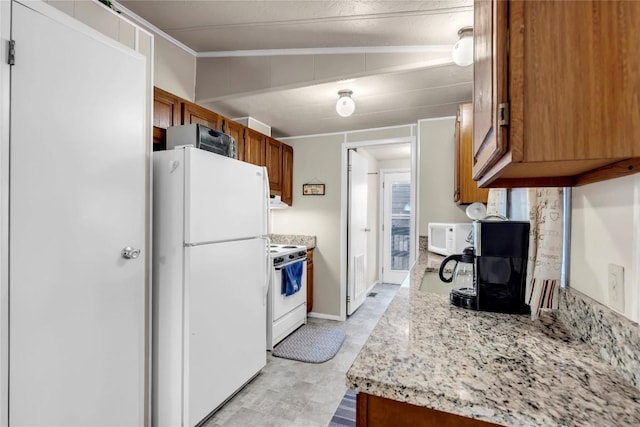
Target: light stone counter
column 500, row 368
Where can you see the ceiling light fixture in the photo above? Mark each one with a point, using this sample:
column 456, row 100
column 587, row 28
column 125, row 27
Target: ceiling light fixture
column 345, row 105
column 462, row 53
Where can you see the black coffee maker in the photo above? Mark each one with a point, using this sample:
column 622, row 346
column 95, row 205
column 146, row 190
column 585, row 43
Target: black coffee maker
column 499, row 253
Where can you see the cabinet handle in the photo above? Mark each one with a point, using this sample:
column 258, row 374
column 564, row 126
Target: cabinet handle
column 503, row 114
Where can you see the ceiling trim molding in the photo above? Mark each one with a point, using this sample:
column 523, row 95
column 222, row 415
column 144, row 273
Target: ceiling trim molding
column 140, row 20
column 445, row 48
column 316, row 20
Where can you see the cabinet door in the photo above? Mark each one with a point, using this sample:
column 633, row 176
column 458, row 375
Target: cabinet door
column 287, row 174
column 274, row 164
column 490, row 83
column 192, row 113
column 166, row 109
column 466, row 189
column 255, row 147
column 166, row 112
column 236, row 130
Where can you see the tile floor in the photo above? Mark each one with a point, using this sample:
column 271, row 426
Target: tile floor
column 290, row 393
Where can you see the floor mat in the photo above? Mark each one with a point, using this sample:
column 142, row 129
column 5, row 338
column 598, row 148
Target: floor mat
column 313, row 344
column 345, row 415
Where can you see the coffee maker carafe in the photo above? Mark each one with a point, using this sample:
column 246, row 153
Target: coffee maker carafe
column 500, row 250
column 462, row 278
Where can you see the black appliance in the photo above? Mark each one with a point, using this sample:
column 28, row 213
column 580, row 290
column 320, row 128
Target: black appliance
column 500, row 251
column 202, row 137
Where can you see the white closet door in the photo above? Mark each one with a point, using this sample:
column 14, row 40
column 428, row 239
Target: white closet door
column 77, row 193
column 358, row 232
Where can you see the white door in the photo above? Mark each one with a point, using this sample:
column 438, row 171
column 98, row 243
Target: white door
column 396, row 226
column 357, row 232
column 77, row 198
column 227, row 318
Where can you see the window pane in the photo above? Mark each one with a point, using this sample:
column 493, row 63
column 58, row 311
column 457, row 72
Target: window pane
column 400, row 198
column 400, row 243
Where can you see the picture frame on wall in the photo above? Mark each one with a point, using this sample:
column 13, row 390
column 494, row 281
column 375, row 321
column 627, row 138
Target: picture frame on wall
column 313, row 189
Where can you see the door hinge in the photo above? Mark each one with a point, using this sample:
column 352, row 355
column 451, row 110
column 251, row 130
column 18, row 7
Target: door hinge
column 348, row 299
column 503, row 114
column 12, row 52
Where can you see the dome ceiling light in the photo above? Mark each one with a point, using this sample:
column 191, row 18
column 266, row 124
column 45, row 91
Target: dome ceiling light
column 345, row 105
column 462, row 53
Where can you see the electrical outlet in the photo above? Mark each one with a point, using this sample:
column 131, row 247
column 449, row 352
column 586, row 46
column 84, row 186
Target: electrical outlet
column 616, row 287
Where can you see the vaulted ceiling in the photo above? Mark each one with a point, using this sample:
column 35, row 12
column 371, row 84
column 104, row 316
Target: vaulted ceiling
column 283, row 62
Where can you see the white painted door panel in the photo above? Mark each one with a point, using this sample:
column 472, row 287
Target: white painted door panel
column 227, row 321
column 77, row 181
column 396, row 226
column 357, row 232
column 226, row 198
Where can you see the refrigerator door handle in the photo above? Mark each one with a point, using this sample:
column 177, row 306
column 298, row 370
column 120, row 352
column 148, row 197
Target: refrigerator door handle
column 267, row 276
column 267, row 219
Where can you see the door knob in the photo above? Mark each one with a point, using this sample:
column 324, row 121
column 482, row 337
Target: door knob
column 130, row 253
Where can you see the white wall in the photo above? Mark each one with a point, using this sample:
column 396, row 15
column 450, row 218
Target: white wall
column 605, row 228
column 317, row 159
column 436, row 169
column 395, row 164
column 175, row 69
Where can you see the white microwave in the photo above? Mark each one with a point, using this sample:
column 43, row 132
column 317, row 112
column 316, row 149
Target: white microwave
column 448, row 238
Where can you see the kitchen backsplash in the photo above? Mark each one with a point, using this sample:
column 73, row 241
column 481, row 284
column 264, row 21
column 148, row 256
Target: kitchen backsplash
column 423, row 242
column 615, row 338
column 294, row 239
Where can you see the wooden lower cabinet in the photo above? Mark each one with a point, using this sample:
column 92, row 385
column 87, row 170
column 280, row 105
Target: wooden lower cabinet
column 374, row 411
column 309, row 280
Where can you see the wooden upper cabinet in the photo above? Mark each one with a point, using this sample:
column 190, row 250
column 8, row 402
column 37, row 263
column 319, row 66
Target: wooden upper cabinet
column 193, row 113
column 572, row 116
column 236, row 131
column 166, row 109
column 465, row 188
column 489, row 90
column 255, row 147
column 287, row 174
column 274, row 164
column 166, row 113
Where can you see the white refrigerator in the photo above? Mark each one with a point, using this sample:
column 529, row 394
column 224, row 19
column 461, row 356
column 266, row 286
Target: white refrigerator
column 210, row 281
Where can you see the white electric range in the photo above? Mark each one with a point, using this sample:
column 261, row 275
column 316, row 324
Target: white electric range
column 285, row 314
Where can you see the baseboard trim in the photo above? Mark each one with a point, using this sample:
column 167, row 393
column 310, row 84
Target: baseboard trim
column 323, row 316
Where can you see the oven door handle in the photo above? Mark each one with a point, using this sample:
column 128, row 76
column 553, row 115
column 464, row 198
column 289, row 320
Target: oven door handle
column 280, row 267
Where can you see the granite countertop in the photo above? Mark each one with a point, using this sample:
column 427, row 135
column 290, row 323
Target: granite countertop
column 294, row 239
column 501, row 368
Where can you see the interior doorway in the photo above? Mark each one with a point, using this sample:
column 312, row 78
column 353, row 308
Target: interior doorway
column 380, row 155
